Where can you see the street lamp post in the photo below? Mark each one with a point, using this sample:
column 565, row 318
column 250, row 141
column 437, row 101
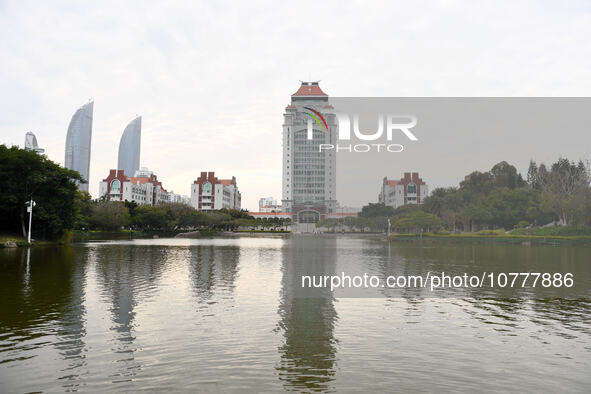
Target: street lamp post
column 30, row 204
column 389, row 228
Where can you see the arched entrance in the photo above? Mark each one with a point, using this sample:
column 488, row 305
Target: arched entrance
column 308, row 216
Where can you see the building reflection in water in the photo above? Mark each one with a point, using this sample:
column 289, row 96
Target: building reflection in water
column 72, row 323
column 564, row 311
column 128, row 276
column 213, row 270
column 44, row 297
column 307, row 316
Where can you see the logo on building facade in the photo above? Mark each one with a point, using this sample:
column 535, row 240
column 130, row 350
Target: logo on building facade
column 315, row 115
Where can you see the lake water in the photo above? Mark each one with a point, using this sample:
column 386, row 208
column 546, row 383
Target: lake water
column 229, row 315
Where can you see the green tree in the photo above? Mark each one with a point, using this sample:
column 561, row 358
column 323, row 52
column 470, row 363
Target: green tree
column 26, row 175
column 159, row 217
column 109, row 216
column 506, row 175
column 565, row 188
column 474, row 215
column 83, row 208
column 373, row 210
column 417, row 221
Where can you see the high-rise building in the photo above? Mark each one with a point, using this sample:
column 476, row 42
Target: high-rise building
column 411, row 189
column 31, row 143
column 209, row 193
column 309, row 175
column 129, row 147
column 78, row 143
column 269, row 204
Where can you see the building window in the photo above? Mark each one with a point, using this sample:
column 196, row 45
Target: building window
column 115, row 186
column 411, row 188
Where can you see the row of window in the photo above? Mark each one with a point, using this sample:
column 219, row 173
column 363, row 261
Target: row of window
column 307, row 191
column 308, row 184
column 308, row 172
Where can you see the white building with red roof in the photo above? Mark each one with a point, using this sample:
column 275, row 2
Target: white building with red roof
column 142, row 188
column 309, row 175
column 209, row 193
column 411, row 189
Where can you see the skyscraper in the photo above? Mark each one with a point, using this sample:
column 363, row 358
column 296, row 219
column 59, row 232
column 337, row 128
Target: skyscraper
column 78, row 143
column 129, row 147
column 309, row 175
column 31, row 143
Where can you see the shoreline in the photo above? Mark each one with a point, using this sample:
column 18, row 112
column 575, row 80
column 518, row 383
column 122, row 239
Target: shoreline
column 525, row 240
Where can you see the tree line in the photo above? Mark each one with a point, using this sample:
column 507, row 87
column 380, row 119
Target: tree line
column 497, row 199
column 115, row 215
column 501, row 198
column 61, row 207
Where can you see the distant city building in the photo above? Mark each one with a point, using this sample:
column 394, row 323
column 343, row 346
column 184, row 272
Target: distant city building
column 309, row 176
column 409, row 190
column 143, row 188
column 143, row 172
column 269, row 204
column 179, row 199
column 209, row 193
column 78, row 143
column 129, row 147
column 31, row 143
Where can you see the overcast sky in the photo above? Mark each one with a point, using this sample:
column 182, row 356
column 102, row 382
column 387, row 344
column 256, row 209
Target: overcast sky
column 211, row 79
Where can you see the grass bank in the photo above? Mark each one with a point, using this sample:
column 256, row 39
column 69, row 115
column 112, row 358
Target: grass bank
column 497, row 236
column 263, row 231
column 22, row 241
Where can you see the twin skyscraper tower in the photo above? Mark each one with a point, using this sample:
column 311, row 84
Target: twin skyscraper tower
column 79, row 138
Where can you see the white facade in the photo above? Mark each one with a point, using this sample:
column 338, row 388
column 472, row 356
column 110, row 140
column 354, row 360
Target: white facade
column 143, row 172
column 392, row 195
column 309, row 176
column 179, row 199
column 269, row 204
column 210, row 193
column 408, row 190
column 144, row 188
column 140, row 193
column 127, row 191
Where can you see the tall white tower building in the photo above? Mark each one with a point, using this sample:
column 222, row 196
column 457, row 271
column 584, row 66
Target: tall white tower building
column 129, row 147
column 31, row 143
column 78, row 143
column 309, row 175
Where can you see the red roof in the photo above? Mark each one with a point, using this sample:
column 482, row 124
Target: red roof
column 392, row 183
column 141, row 180
column 268, row 213
column 144, row 179
column 226, row 182
column 309, row 89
